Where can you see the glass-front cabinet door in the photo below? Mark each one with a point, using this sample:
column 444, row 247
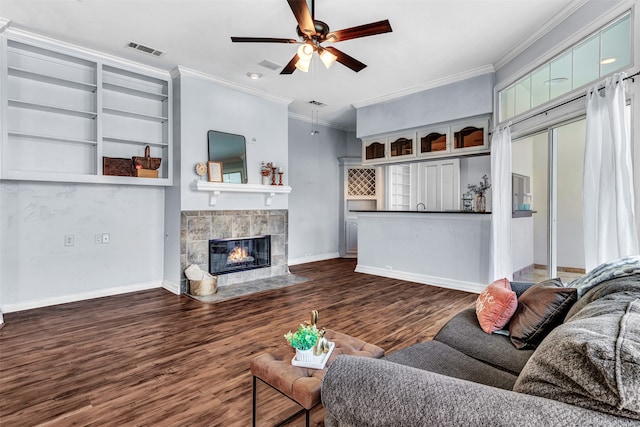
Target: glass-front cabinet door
column 374, row 150
column 471, row 137
column 433, row 142
column 450, row 139
column 401, row 146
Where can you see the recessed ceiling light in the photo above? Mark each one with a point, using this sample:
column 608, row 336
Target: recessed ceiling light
column 608, row 61
column 254, row 76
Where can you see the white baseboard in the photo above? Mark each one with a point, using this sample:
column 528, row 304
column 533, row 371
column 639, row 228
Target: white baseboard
column 459, row 285
column 313, row 258
column 171, row 287
column 80, row 296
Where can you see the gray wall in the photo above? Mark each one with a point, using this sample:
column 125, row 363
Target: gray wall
column 208, row 105
column 466, row 98
column 37, row 269
column 314, row 200
column 354, row 145
column 202, row 104
column 172, row 202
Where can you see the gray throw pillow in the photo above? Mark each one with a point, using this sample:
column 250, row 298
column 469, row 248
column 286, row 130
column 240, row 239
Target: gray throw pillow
column 540, row 309
column 592, row 360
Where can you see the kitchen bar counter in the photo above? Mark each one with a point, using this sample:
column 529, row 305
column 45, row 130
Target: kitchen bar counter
column 426, row 212
column 447, row 249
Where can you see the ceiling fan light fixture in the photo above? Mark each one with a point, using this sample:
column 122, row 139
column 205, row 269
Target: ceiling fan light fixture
column 303, row 64
column 327, row 58
column 305, row 51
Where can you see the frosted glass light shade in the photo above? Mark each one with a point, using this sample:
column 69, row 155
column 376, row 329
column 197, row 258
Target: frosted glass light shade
column 305, row 51
column 327, row 58
column 303, row 65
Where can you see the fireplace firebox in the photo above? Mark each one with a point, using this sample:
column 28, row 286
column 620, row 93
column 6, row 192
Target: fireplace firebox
column 232, row 255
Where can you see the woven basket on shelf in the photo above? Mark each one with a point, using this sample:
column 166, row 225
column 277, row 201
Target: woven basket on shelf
column 147, row 162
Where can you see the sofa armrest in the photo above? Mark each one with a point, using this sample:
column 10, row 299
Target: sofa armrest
column 359, row 391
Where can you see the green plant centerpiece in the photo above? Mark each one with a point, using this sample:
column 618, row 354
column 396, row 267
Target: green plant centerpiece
column 304, row 338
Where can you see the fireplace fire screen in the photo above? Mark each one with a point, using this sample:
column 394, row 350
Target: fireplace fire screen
column 232, row 255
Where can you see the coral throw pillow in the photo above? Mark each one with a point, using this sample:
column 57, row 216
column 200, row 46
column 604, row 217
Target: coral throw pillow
column 495, row 306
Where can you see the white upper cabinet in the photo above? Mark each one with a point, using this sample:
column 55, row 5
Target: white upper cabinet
column 402, row 146
column 459, row 138
column 434, row 141
column 66, row 110
column 470, row 137
column 374, row 150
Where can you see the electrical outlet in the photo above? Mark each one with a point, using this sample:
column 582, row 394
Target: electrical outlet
column 98, row 239
column 69, row 240
column 106, row 237
column 389, row 267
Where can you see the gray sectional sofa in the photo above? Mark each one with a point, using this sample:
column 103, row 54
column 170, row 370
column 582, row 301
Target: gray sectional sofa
column 585, row 372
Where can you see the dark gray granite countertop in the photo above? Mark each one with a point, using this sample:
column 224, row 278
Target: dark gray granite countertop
column 423, row 212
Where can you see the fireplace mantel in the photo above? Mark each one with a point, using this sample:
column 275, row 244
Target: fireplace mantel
column 216, row 188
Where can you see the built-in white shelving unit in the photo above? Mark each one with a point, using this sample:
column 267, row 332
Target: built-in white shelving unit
column 66, row 108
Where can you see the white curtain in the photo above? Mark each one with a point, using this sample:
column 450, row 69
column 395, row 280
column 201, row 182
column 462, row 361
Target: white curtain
column 501, row 205
column 608, row 198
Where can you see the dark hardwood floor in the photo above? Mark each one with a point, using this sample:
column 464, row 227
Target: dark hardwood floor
column 156, row 359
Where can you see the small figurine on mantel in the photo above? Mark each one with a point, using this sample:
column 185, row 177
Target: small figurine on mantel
column 270, row 170
column 265, row 170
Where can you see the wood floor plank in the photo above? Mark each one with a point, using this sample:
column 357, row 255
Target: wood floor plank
column 154, row 358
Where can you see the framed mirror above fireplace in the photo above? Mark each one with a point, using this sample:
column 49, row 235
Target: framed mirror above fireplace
column 230, row 150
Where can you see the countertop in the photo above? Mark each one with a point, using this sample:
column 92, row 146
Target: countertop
column 423, row 212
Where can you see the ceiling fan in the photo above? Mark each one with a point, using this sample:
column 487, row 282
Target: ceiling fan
column 313, row 32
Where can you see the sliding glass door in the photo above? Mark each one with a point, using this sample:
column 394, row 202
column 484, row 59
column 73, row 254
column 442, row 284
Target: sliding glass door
column 568, row 142
column 530, row 230
column 549, row 242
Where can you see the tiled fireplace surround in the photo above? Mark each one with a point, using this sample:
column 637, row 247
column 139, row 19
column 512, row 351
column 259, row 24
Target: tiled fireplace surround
column 198, row 227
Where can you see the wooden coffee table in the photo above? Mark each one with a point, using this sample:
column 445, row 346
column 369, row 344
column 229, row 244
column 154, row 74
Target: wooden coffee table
column 302, row 385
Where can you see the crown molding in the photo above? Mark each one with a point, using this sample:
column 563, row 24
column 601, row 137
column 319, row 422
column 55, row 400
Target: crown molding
column 4, row 24
column 556, row 20
column 485, row 69
column 304, row 118
column 181, row 71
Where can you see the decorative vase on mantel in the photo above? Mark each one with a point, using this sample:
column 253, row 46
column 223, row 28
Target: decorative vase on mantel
column 481, row 203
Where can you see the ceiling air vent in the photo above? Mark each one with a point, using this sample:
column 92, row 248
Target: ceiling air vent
column 317, row 103
column 270, row 65
column 145, row 49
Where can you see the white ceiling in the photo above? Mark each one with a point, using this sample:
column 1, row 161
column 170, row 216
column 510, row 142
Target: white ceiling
column 432, row 40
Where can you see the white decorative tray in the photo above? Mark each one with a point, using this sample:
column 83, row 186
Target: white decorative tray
column 319, row 362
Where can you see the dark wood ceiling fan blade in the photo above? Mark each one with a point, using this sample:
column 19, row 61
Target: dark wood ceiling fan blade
column 303, row 16
column 346, row 60
column 261, row 40
column 360, row 31
column 291, row 66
